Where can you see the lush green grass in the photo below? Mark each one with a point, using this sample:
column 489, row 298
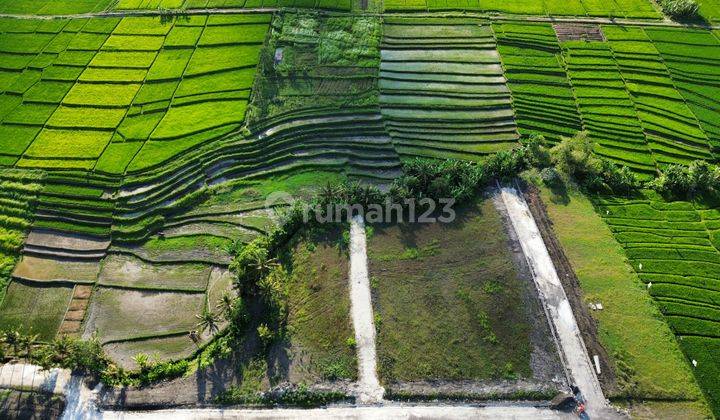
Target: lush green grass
column 318, row 323
column 647, row 360
column 447, row 305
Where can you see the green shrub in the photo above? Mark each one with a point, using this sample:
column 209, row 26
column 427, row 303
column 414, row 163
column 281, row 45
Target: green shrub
column 680, row 9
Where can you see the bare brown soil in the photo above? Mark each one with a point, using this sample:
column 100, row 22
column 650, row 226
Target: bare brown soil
column 76, row 310
column 575, row 32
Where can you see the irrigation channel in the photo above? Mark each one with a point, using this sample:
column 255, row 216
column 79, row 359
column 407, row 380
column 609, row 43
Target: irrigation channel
column 82, row 401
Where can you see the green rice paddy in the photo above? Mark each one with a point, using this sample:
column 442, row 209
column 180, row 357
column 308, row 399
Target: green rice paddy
column 164, row 135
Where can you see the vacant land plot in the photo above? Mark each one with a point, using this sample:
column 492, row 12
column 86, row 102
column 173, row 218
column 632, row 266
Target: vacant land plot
column 452, row 302
column 318, row 324
column 108, row 94
column 648, row 365
column 543, row 100
column 674, row 250
column 442, row 89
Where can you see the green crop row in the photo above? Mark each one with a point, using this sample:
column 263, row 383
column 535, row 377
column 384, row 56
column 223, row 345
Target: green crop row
column 109, row 86
column 617, row 8
column 672, row 131
column 543, row 100
column 670, row 246
column 693, row 60
column 605, row 105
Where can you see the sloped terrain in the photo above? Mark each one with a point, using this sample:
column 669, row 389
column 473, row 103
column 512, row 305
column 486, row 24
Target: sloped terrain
column 442, row 89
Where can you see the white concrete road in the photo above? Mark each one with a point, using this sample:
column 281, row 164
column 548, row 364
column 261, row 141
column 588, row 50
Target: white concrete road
column 368, row 387
column 553, row 297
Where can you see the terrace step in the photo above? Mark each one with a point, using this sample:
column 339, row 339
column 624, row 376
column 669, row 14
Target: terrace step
column 51, row 252
column 67, row 241
column 75, row 313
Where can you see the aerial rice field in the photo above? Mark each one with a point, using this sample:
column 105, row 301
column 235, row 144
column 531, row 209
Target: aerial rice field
column 673, row 248
column 138, row 155
column 442, row 90
column 112, row 95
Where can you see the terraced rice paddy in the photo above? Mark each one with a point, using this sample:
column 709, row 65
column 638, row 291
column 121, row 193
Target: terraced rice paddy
column 605, row 105
column 543, row 100
column 229, row 4
column 442, row 89
column 672, row 131
column 116, row 94
column 693, row 58
column 137, row 154
column 618, row 8
column 674, row 249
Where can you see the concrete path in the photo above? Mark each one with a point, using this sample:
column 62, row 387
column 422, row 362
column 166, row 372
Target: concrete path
column 369, row 389
column 31, row 377
column 552, row 294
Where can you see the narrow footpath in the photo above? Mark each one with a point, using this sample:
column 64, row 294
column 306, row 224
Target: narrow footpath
column 369, row 389
column 567, row 334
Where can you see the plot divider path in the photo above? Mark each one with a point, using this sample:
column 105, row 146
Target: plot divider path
column 369, row 389
column 551, row 292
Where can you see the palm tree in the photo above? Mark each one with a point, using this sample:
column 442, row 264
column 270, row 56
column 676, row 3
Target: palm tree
column 263, row 264
column 207, row 321
column 328, row 193
column 225, row 305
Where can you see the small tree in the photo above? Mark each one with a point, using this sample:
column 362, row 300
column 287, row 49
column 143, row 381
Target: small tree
column 207, row 321
column 680, row 9
column 225, row 306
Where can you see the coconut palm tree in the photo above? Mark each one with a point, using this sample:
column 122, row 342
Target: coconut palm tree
column 263, row 263
column 207, row 321
column 225, row 305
